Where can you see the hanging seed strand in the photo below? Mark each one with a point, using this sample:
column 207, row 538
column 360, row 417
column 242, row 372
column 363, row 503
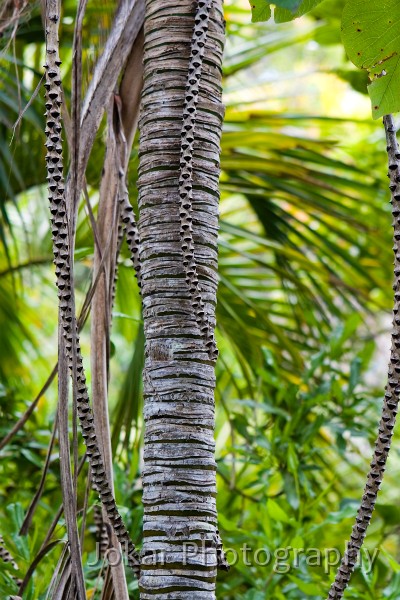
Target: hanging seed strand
column 198, row 43
column 128, row 221
column 120, row 239
column 197, row 48
column 392, row 390
column 103, row 535
column 62, row 260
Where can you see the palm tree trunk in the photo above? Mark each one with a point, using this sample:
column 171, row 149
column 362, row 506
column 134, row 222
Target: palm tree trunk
column 179, row 485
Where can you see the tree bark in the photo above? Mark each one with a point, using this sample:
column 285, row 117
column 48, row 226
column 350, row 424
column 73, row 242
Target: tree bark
column 179, row 486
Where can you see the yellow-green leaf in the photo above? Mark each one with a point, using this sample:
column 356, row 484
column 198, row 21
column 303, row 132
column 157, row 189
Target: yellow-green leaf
column 370, row 32
column 276, row 512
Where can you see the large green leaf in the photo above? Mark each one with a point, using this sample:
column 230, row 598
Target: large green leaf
column 371, row 38
column 287, row 259
column 285, row 10
column 260, row 11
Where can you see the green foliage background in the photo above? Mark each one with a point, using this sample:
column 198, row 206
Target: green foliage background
column 305, row 289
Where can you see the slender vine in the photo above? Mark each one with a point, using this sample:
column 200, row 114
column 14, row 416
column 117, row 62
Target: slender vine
column 199, row 38
column 62, row 258
column 392, row 390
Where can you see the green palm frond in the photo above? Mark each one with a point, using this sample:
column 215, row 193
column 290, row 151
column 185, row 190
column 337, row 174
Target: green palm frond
column 299, row 245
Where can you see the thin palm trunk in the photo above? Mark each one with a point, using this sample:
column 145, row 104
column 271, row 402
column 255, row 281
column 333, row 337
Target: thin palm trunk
column 178, row 254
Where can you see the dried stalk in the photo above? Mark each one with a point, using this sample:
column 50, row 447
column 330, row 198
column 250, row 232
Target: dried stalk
column 126, row 29
column 25, row 417
column 38, row 494
column 122, row 121
column 68, row 486
column 107, row 231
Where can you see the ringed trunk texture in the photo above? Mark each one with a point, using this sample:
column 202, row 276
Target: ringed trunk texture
column 179, row 486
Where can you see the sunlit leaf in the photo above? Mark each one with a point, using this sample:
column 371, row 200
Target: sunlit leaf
column 371, row 40
column 285, row 10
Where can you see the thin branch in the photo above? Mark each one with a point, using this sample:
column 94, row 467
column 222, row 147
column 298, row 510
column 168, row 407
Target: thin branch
column 20, row 116
column 25, row 265
column 35, row 500
column 60, row 510
column 39, row 557
column 22, row 420
column 108, row 220
column 107, row 228
column 68, row 486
